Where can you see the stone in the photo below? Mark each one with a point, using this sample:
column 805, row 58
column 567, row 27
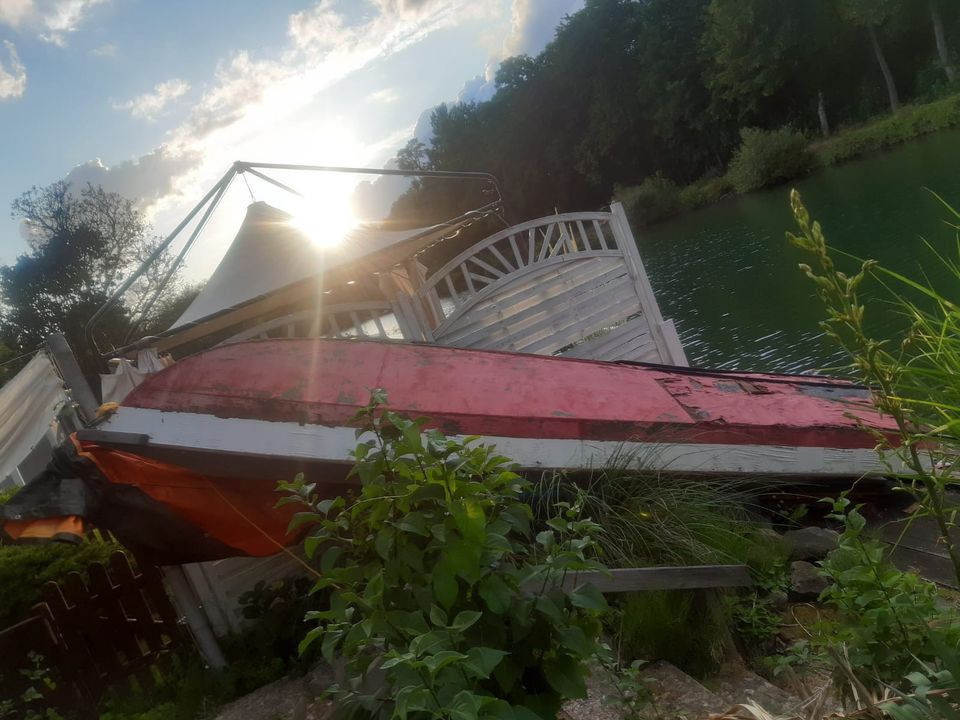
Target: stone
column 810, row 543
column 677, row 695
column 806, row 582
column 779, row 599
column 740, row 686
column 770, row 534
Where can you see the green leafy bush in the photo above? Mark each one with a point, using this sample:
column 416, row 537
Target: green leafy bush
column 24, row 569
column 446, row 602
column 768, row 157
column 705, row 191
column 891, row 623
column 655, row 199
column 909, row 122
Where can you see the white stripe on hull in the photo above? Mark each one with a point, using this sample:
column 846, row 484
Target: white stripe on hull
column 319, row 443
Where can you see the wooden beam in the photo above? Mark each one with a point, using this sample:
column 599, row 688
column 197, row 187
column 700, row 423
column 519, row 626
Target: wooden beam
column 694, row 577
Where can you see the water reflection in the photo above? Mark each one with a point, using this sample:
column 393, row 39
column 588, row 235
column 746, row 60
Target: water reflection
column 730, row 281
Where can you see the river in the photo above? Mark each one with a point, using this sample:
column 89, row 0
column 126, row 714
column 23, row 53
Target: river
column 729, row 279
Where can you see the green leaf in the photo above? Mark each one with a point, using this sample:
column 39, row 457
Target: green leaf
column 495, row 593
column 442, row 659
column 309, row 639
column 565, row 675
column 329, row 558
column 438, row 617
column 483, row 660
column 465, row 619
column 575, row 640
column 545, row 538
column 445, row 585
column 586, row 596
column 471, row 520
column 303, row 518
column 311, row 544
column 384, row 542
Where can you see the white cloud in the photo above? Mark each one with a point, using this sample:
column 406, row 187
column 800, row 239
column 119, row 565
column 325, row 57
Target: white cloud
column 107, row 50
column 145, row 180
column 14, row 12
column 13, row 75
column 384, row 96
column 51, row 20
column 149, row 105
column 534, row 23
column 253, row 107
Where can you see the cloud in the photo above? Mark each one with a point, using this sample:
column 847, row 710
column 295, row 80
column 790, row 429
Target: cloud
column 386, row 95
column 51, row 20
column 146, row 180
column 481, row 88
column 14, row 12
column 534, row 23
column 107, row 50
column 256, row 101
column 13, row 75
column 149, row 105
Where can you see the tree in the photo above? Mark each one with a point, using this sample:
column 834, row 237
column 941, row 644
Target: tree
column 778, row 61
column 940, row 38
column 82, row 246
column 871, row 15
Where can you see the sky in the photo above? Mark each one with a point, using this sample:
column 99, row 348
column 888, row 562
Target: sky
column 155, row 100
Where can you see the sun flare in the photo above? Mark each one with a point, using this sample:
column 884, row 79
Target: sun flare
column 326, row 224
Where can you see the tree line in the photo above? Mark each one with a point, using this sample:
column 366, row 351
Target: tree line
column 82, row 243
column 635, row 88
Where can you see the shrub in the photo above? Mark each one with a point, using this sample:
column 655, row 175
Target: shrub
column 24, row 569
column 769, row 157
column 909, row 122
column 648, row 519
column 655, row 199
column 448, row 603
column 705, row 191
column 891, row 623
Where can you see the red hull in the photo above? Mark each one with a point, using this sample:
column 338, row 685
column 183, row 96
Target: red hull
column 324, row 382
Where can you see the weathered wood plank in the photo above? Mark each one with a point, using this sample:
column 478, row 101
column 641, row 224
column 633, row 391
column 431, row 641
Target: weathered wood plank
column 542, row 299
column 532, row 322
column 534, row 289
column 613, row 303
column 620, row 343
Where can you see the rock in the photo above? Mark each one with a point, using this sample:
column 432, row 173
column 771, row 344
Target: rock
column 769, row 534
column 779, row 599
column 806, row 582
column 742, row 686
column 677, row 694
column 810, row 543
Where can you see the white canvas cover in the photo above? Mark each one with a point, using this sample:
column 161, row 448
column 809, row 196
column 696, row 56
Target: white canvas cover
column 29, row 403
column 269, row 253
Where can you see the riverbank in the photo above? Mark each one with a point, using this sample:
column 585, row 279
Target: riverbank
column 768, row 158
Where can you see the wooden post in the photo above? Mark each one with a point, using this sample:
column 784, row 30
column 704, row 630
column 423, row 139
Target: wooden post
column 72, row 375
column 188, row 604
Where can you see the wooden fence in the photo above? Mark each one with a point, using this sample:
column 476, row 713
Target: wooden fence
column 119, row 630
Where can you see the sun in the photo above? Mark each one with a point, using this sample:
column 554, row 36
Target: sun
column 324, row 222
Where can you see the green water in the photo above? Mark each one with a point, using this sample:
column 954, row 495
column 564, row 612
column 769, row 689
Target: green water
column 728, row 278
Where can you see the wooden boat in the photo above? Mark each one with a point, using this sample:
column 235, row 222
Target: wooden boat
column 270, row 407
column 543, row 338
